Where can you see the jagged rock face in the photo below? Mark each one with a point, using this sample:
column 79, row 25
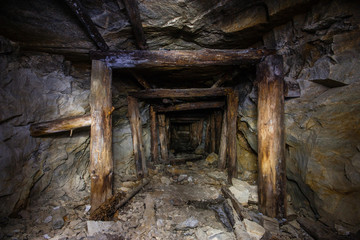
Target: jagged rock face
column 321, row 52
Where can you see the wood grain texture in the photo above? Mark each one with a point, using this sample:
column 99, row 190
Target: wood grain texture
column 101, row 162
column 163, row 138
column 154, row 135
column 136, row 133
column 180, row 93
column 60, row 125
column 223, row 142
column 190, row 106
column 271, row 143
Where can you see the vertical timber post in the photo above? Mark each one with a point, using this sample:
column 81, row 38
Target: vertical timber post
column 136, row 130
column 213, row 132
column 163, row 138
column 154, row 136
column 101, row 162
column 232, row 106
column 223, row 143
column 271, row 142
column 218, row 120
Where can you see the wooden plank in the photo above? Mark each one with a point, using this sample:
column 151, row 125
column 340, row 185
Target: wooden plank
column 60, row 125
column 101, row 162
column 212, row 133
column 180, row 93
column 223, row 142
column 136, row 130
column 200, row 131
column 154, row 135
column 190, row 106
column 168, row 133
column 180, row 58
column 87, row 23
column 271, row 142
column 133, row 12
column 163, row 138
column 218, row 122
column 140, row 80
column 224, row 78
column 232, row 106
column 208, row 136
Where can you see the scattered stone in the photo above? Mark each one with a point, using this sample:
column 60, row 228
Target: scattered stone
column 46, row 236
column 48, row 219
column 191, row 222
column 242, row 196
column 101, row 227
column 165, row 180
column 217, row 175
column 255, row 230
column 270, row 224
column 182, row 177
column 212, row 158
column 87, row 208
column 58, row 217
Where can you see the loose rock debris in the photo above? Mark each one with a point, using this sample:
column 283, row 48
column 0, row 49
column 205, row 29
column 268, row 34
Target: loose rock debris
column 188, row 201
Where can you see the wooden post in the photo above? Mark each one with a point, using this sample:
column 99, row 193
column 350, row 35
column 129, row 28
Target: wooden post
column 212, row 132
column 168, row 133
column 136, row 130
column 154, row 135
column 271, row 143
column 200, row 131
column 207, row 136
column 162, row 137
column 223, row 141
column 218, row 120
column 233, row 102
column 101, row 162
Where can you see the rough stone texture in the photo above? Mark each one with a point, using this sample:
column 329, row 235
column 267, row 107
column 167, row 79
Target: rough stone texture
column 255, row 230
column 321, row 52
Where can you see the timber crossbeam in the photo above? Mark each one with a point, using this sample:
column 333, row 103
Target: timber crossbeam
column 180, row 93
column 190, row 106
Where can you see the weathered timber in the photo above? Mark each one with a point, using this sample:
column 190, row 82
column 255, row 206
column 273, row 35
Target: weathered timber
column 199, row 132
column 106, row 211
column 318, row 230
column 133, row 12
column 190, row 106
column 223, row 142
column 163, row 138
column 212, row 133
column 180, row 58
column 207, row 135
column 271, row 142
column 136, row 130
column 89, row 25
column 232, row 106
column 185, row 119
column 218, row 120
column 241, row 211
column 168, row 133
column 180, row 93
column 101, row 162
column 60, row 125
column 140, row 80
column 224, row 78
column 154, row 135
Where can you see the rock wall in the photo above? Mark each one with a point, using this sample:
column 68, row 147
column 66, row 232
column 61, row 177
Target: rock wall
column 42, row 87
column 321, row 50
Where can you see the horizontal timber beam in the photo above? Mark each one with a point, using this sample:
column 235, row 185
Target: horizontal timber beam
column 180, row 58
column 190, row 106
column 60, row 125
column 180, row 93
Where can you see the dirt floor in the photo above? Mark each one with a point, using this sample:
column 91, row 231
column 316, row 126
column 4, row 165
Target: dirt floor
column 180, row 202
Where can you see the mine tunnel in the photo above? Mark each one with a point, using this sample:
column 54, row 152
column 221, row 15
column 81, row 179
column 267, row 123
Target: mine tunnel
column 180, row 119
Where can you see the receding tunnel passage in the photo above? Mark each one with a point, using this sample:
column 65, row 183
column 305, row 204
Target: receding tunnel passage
column 128, row 119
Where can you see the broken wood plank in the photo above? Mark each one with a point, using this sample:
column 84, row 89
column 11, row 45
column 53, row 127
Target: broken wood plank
column 241, row 211
column 317, row 229
column 136, row 130
column 190, row 106
column 154, row 135
column 89, row 25
column 180, row 58
column 271, row 142
column 101, row 162
column 60, row 125
column 180, row 93
column 232, row 107
column 163, row 138
column 133, row 12
column 224, row 78
column 106, row 211
column 223, row 143
column 140, row 80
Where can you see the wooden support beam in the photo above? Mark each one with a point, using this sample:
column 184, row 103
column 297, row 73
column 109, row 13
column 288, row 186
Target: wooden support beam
column 223, row 142
column 140, row 80
column 101, row 162
column 271, row 142
column 218, row 121
column 212, row 133
column 154, row 135
column 224, row 78
column 180, row 58
column 232, row 106
column 136, row 130
column 87, row 23
column 185, row 119
column 180, row 93
column 168, row 133
column 200, row 128
column 190, row 106
column 163, row 138
column 208, row 136
column 60, row 125
column 133, row 12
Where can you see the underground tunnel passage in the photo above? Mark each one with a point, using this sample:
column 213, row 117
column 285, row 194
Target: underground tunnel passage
column 125, row 119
